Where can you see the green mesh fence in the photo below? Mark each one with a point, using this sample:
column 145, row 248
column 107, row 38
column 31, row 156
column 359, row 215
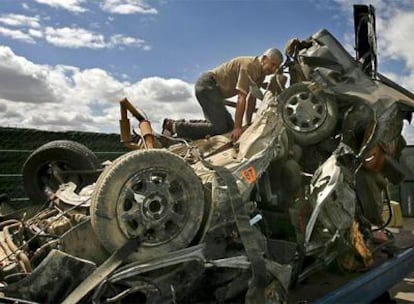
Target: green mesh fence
column 17, row 144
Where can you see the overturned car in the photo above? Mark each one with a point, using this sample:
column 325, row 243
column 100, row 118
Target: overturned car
column 212, row 221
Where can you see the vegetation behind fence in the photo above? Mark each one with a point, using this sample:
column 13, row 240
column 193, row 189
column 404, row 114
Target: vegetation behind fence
column 17, row 144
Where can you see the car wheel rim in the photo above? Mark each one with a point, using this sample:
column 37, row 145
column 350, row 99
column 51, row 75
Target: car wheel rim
column 154, row 205
column 303, row 112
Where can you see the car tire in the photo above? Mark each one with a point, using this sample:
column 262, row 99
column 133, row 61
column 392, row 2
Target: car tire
column 308, row 117
column 44, row 169
column 152, row 195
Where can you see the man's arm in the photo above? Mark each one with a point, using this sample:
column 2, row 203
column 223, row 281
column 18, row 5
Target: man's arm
column 238, row 117
column 251, row 105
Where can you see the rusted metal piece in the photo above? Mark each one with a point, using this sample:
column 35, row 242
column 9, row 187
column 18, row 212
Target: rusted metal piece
column 22, row 257
column 45, row 214
column 125, row 126
column 9, row 263
column 144, row 125
column 8, row 222
column 350, row 261
column 131, row 108
column 375, row 159
column 147, row 133
column 56, row 225
column 13, row 260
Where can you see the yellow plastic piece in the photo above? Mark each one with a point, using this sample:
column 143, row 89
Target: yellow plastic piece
column 396, row 219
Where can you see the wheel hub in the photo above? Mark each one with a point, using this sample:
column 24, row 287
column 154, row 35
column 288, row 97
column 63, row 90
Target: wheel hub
column 52, row 174
column 304, row 112
column 154, row 206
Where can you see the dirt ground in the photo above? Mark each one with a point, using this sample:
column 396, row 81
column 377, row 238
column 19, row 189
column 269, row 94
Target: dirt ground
column 403, row 292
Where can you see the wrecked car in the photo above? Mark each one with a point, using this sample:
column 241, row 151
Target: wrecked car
column 212, row 221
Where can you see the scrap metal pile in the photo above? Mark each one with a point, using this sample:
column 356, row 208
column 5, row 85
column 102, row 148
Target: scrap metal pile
column 211, row 221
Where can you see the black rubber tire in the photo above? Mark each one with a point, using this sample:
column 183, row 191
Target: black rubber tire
column 121, row 205
column 314, row 132
column 67, row 155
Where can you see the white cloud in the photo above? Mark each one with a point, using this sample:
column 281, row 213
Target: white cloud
column 97, row 86
column 30, row 28
column 81, row 38
column 173, row 90
column 68, row 98
column 35, row 33
column 394, row 24
column 21, row 80
column 16, row 35
column 70, row 5
column 68, row 37
column 406, row 81
column 20, row 20
column 161, row 98
column 408, row 132
column 128, row 41
column 74, row 38
column 125, row 7
column 396, row 35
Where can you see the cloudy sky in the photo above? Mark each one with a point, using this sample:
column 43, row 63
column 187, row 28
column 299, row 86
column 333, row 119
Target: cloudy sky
column 65, row 64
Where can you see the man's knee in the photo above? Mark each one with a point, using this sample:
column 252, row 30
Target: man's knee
column 206, row 95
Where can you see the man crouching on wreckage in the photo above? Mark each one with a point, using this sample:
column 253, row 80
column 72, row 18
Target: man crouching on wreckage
column 220, row 219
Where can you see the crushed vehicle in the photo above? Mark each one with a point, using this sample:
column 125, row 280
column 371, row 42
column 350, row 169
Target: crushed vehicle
column 211, row 221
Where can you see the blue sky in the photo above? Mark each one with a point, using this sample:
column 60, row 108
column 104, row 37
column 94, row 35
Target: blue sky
column 68, row 62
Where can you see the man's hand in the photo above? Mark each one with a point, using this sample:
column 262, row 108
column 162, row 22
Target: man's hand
column 235, row 134
column 291, row 46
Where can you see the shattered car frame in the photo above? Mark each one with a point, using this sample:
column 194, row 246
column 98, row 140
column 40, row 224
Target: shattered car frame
column 208, row 220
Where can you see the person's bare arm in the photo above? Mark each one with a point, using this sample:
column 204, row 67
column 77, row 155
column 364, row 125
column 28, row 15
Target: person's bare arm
column 251, row 105
column 238, row 117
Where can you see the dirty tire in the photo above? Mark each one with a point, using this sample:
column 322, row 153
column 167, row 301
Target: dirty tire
column 152, row 195
column 62, row 155
column 308, row 118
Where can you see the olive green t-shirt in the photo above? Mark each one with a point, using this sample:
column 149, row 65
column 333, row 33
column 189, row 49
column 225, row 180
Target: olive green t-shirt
column 238, row 74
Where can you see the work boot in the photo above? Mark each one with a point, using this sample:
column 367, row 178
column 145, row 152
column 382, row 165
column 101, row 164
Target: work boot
column 168, row 127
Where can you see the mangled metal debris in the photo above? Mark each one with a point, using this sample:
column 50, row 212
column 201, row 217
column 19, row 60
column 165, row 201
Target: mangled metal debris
column 209, row 220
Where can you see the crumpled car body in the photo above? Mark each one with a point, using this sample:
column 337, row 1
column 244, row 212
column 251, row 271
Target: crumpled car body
column 211, row 221
column 86, row 227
